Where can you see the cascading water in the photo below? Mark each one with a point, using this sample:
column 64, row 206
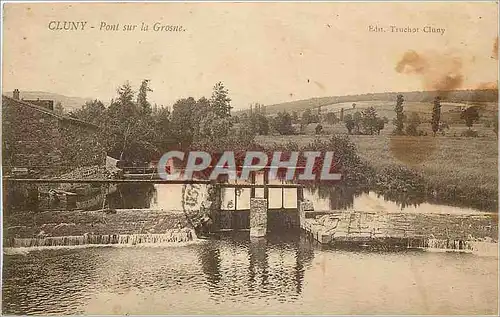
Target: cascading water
column 446, row 244
column 172, row 236
column 477, row 247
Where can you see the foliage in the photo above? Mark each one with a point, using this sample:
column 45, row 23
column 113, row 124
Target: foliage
column 355, row 172
column 331, row 118
column 470, row 115
column 369, row 120
column 413, row 123
column 318, row 129
column 349, row 123
column 469, row 133
column 400, row 117
column 58, row 108
column 357, row 121
column 282, row 123
column 220, row 101
column 92, row 112
column 255, row 123
column 142, row 100
column 436, row 115
column 134, row 131
column 308, row 117
column 495, row 125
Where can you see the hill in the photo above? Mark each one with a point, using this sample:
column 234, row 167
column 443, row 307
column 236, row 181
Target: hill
column 459, row 97
column 68, row 103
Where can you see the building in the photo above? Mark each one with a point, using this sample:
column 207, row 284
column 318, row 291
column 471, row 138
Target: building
column 44, row 142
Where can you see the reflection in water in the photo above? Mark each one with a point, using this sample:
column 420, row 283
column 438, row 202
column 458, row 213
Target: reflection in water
column 404, row 199
column 339, row 197
column 261, row 268
column 169, row 197
column 234, row 274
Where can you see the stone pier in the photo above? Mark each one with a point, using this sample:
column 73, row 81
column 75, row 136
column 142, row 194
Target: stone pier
column 258, row 217
column 304, row 206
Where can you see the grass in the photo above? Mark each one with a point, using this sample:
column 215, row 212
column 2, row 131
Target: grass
column 460, row 169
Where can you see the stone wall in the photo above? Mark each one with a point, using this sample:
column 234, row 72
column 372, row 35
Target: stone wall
column 77, row 223
column 45, row 142
column 30, row 137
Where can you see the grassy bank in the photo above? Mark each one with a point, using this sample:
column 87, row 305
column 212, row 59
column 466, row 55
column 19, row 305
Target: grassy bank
column 461, row 171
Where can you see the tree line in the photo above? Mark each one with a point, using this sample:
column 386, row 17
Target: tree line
column 132, row 129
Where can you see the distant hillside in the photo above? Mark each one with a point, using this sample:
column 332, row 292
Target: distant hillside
column 69, row 103
column 456, row 96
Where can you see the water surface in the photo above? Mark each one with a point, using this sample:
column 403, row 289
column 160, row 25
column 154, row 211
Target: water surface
column 233, row 275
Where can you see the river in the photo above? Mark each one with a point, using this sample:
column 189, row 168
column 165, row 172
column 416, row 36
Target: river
column 279, row 274
column 283, row 274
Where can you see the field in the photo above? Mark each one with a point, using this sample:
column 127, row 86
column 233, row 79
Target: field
column 455, row 130
column 450, row 111
column 468, row 164
column 419, row 101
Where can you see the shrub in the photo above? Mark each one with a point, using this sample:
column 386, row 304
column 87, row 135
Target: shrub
column 470, row 133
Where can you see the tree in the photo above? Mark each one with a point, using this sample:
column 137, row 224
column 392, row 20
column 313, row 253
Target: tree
column 380, row 125
column 495, row 125
column 357, row 121
column 470, row 115
column 262, row 124
column 93, row 112
column 59, row 108
column 125, row 98
column 413, row 123
column 341, row 114
column 212, row 127
column 369, row 120
column 318, row 129
column 349, row 123
column 295, row 117
column 307, row 117
column 220, row 101
column 331, row 118
column 163, row 137
column 436, row 115
column 184, row 119
column 142, row 97
column 128, row 130
column 400, row 117
column 283, row 123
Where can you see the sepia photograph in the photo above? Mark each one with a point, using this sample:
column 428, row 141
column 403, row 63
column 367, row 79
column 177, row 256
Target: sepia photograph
column 249, row 158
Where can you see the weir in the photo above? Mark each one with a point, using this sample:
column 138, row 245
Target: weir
column 264, row 213
column 91, row 239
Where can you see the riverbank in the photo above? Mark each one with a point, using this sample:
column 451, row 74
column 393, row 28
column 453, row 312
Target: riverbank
column 452, row 170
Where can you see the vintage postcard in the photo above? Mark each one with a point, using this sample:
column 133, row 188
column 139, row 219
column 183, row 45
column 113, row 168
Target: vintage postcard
column 263, row 158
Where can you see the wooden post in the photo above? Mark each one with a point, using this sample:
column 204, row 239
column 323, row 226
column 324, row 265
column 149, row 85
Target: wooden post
column 266, row 189
column 252, row 190
column 282, row 197
column 235, row 199
column 300, row 195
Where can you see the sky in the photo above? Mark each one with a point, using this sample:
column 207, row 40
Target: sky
column 262, row 52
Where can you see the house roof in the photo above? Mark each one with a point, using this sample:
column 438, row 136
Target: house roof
column 24, row 103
